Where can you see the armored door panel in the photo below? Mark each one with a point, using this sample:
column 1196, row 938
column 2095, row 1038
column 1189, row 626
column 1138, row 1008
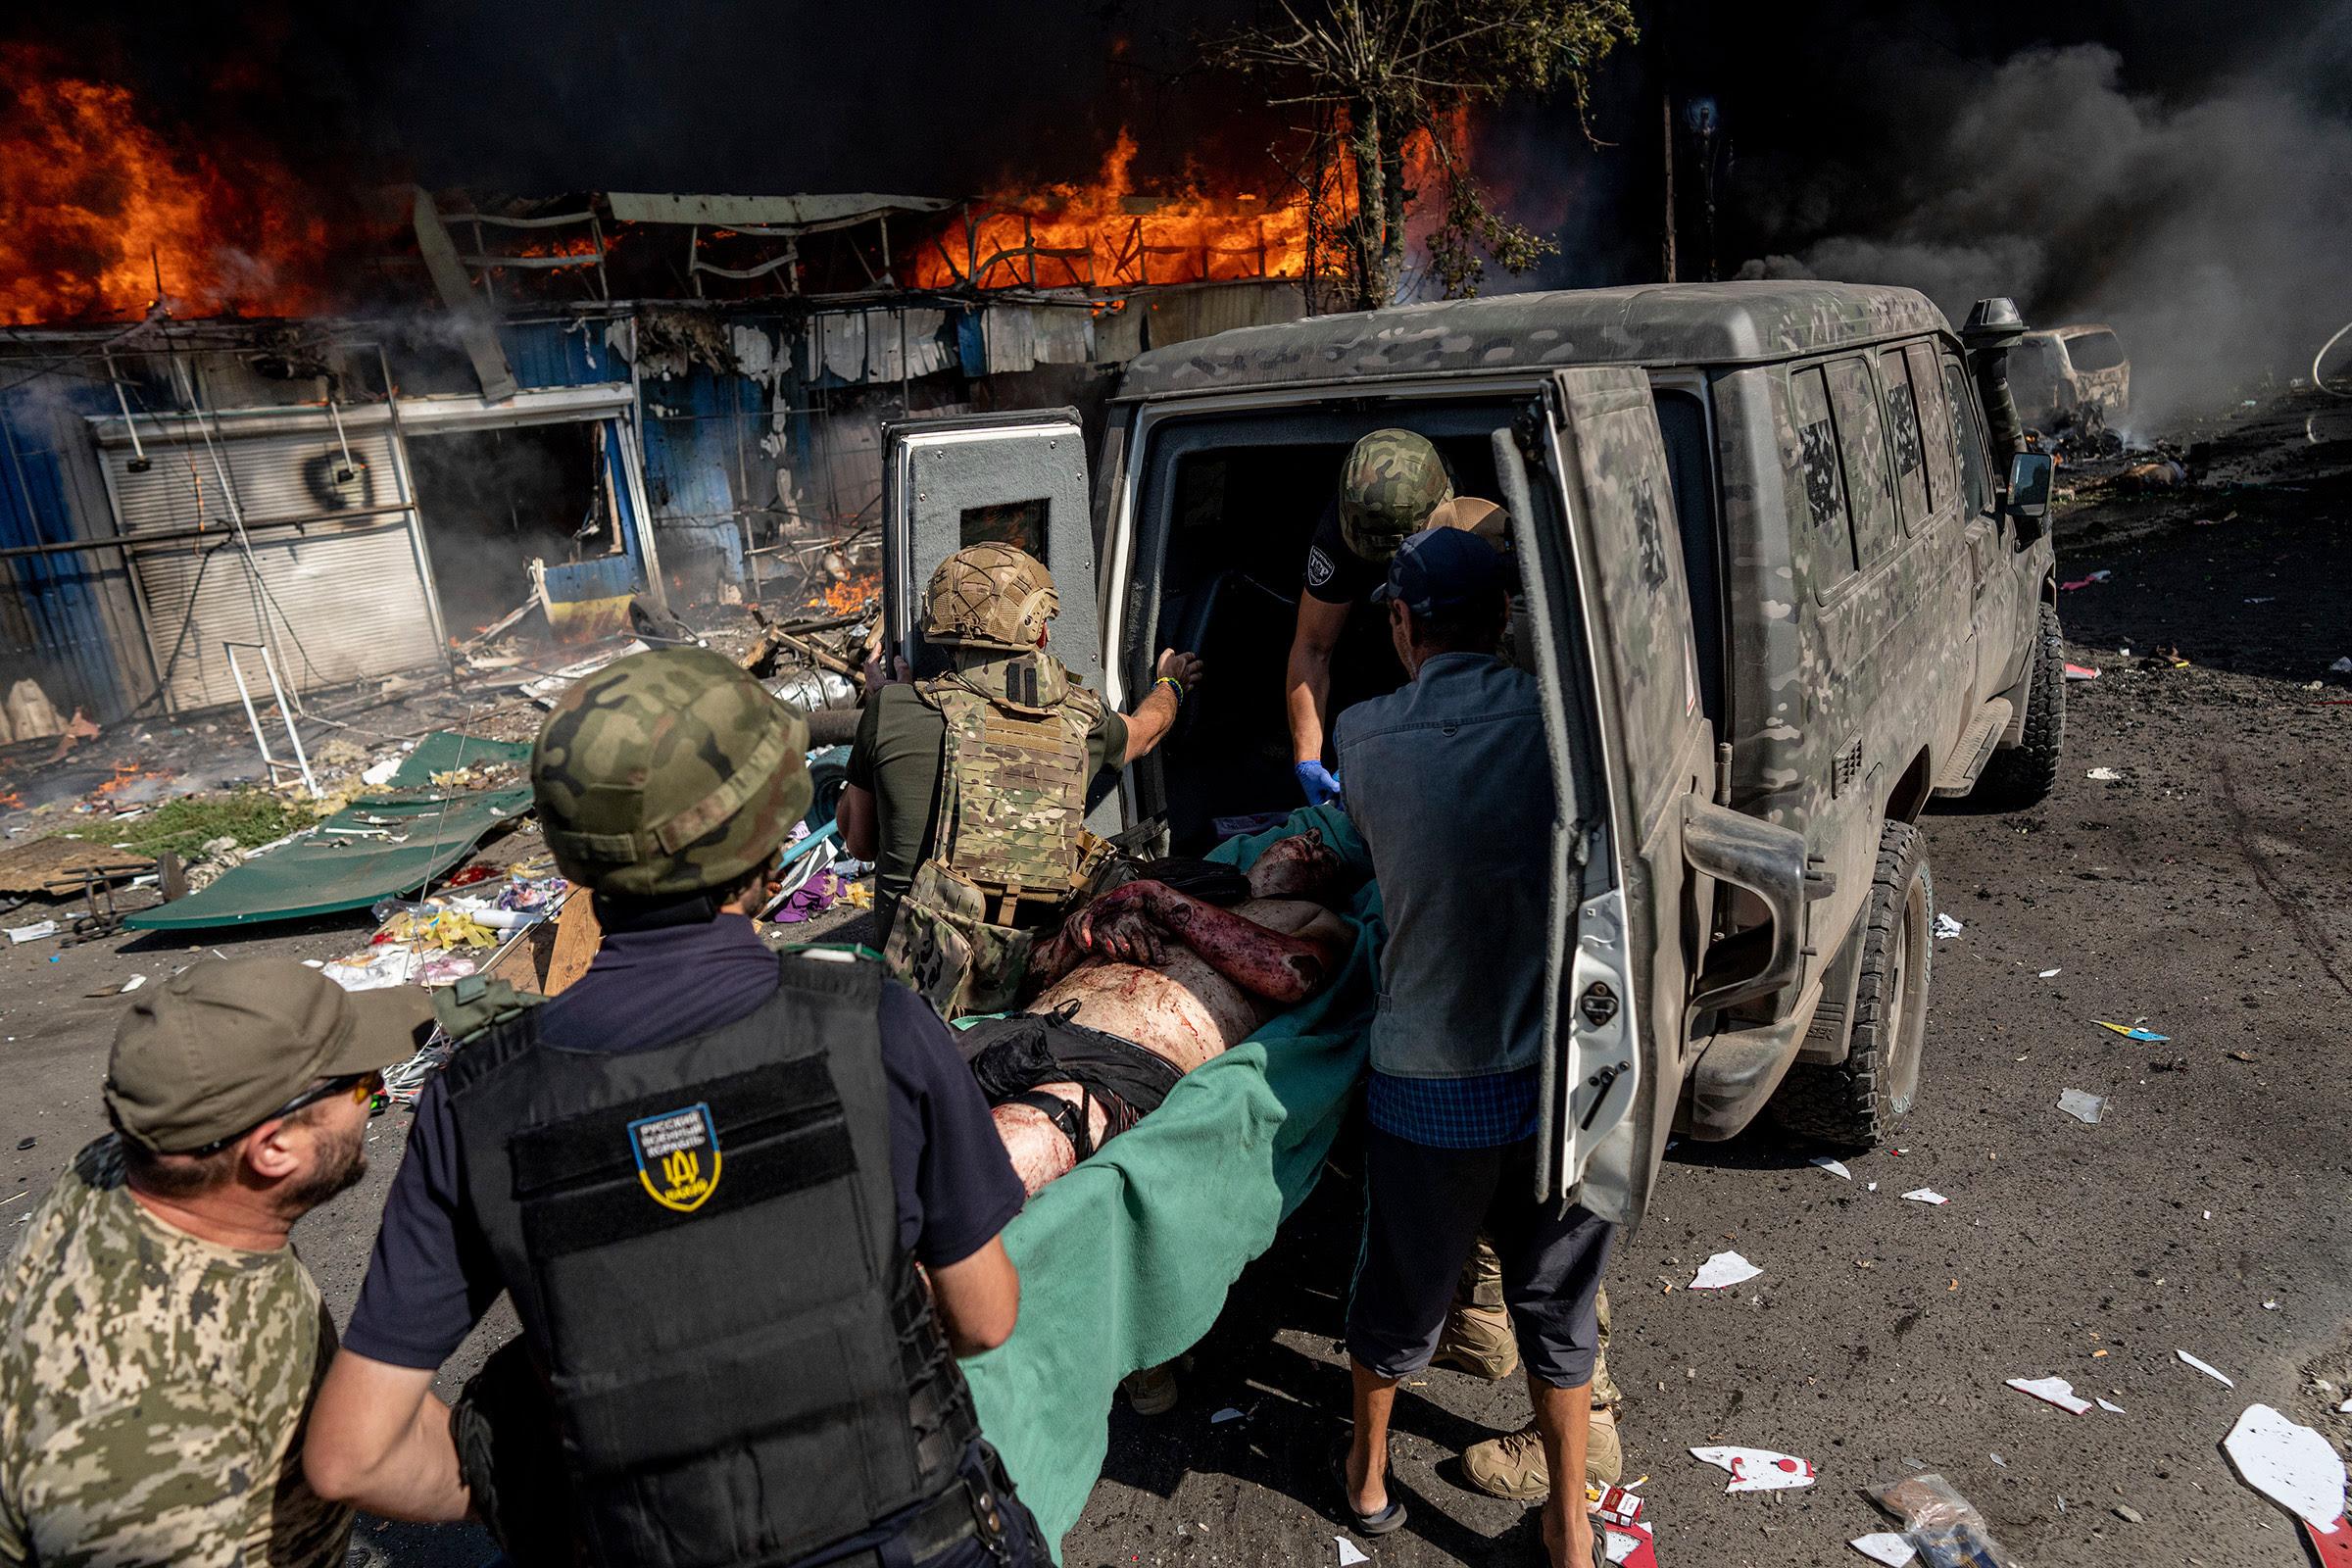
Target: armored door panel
column 1018, row 479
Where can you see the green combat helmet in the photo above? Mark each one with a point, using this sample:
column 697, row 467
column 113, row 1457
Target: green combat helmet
column 668, row 773
column 990, row 595
column 1392, row 481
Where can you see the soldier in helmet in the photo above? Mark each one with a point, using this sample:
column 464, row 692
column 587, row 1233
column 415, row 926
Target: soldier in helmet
column 706, row 1176
column 1392, row 482
column 969, row 791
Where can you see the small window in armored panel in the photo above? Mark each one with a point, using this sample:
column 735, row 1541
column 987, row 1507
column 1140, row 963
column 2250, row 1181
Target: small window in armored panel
column 1976, row 484
column 1903, row 432
column 1831, row 544
column 1862, row 443
column 1934, row 426
column 1018, row 524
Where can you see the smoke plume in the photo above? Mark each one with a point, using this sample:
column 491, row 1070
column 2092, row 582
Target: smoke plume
column 2210, row 236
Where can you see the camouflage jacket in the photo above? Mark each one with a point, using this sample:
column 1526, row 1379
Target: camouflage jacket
column 1012, row 803
column 152, row 1390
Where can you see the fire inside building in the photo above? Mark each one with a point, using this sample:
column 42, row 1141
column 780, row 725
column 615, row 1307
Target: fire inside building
column 558, row 403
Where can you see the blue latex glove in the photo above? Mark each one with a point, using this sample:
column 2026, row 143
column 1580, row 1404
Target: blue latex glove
column 1316, row 780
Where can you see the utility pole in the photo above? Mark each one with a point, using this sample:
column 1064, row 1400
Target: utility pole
column 1666, row 129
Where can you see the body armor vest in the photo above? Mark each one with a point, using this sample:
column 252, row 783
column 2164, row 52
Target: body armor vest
column 702, row 1243
column 1009, row 846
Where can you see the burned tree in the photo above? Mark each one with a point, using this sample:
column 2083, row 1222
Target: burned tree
column 1390, row 79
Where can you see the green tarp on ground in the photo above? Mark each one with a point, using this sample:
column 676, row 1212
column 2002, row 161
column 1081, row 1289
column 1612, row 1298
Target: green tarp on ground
column 376, row 848
column 1125, row 1261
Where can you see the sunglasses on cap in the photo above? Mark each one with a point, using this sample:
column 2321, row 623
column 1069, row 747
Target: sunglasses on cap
column 364, row 1087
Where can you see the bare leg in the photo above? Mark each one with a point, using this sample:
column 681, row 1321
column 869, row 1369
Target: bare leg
column 1039, row 1151
column 1564, row 1416
column 1368, row 1454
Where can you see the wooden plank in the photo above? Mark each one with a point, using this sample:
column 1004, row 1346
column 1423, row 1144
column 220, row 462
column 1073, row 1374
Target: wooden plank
column 577, row 937
column 30, row 867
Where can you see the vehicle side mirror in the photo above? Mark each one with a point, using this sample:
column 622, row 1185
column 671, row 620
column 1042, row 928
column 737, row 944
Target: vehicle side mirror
column 1769, row 861
column 2029, row 494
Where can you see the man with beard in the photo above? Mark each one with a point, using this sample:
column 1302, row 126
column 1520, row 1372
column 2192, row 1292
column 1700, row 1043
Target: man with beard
column 161, row 1346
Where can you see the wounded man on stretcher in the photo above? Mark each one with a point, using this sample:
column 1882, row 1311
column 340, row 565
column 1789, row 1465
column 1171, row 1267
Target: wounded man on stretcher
column 1147, row 983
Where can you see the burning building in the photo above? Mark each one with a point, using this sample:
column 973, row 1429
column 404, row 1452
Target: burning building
column 238, row 435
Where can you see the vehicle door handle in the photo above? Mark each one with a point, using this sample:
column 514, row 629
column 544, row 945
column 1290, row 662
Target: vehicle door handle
column 1769, row 861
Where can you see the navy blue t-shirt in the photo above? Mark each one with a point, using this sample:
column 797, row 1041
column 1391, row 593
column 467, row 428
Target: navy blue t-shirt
column 432, row 1276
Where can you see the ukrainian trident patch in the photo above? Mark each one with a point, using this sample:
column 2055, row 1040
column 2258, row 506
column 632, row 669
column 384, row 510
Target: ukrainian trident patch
column 677, row 1157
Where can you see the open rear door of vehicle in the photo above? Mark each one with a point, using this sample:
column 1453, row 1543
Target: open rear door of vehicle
column 1014, row 478
column 1638, row 844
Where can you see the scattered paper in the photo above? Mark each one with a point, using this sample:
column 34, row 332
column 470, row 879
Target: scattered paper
column 2291, row 1464
column 1872, row 1188
column 1836, row 1167
column 2084, row 582
column 1722, row 1270
column 2051, row 974
column 2111, row 1409
column 2081, row 1106
column 2081, row 673
column 2133, row 1032
column 34, row 932
column 2104, row 775
column 1629, row 1545
column 134, row 982
column 1946, row 926
column 1229, row 1413
column 2055, row 1391
column 1885, row 1546
column 1347, row 1552
column 1758, row 1469
column 2205, row 1368
column 381, row 773
column 1927, row 1195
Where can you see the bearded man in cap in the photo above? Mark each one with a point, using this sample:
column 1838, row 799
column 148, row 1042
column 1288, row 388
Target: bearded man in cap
column 747, row 1205
column 161, row 1346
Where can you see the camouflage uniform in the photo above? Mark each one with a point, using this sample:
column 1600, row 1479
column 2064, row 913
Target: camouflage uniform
column 1010, row 824
column 152, row 1390
column 1392, row 481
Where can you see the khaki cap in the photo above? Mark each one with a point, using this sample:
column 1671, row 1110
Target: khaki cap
column 1474, row 515
column 218, row 1048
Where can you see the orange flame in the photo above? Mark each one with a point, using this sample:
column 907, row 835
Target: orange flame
column 1102, row 236
column 851, row 595
column 95, row 201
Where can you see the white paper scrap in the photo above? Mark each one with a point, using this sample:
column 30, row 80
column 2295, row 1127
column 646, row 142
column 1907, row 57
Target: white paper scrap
column 2203, row 1367
column 2083, row 1108
column 381, row 773
column 1927, row 1195
column 1722, row 1270
column 1229, row 1413
column 1347, row 1552
column 1758, row 1469
column 1885, row 1546
column 2111, row 1409
column 1946, row 926
column 1836, row 1167
column 34, row 932
column 1621, row 1542
column 2291, row 1464
column 2050, row 974
column 2057, row 1390
column 2105, row 775
column 133, row 983
column 1872, row 1188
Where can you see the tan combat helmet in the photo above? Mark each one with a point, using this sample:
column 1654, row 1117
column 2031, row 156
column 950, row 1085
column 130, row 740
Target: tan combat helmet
column 666, row 773
column 990, row 595
column 1393, row 479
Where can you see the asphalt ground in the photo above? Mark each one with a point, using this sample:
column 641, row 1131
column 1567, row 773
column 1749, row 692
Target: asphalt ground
column 2200, row 890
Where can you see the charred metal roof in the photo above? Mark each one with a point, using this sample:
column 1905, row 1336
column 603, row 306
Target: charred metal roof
column 1654, row 324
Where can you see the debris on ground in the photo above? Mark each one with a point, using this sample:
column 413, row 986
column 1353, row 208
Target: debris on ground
column 1758, row 1469
column 1884, row 1546
column 2053, row 1391
column 2049, row 974
column 1836, row 1167
column 1942, row 1524
column 2083, row 1108
column 2207, row 1368
column 1946, row 926
column 2084, row 582
column 1724, row 1270
column 1629, row 1546
column 2104, row 775
column 2081, row 673
column 1927, row 1195
column 1348, row 1555
column 2111, row 1409
column 2132, row 1031
column 2290, row 1463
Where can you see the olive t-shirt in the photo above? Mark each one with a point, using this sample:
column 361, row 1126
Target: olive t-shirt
column 901, row 747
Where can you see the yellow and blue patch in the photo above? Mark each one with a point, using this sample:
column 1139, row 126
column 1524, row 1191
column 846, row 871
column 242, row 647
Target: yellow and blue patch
column 677, row 1157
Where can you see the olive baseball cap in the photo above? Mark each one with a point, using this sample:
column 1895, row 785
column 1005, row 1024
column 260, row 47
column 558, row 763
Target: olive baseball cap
column 218, row 1048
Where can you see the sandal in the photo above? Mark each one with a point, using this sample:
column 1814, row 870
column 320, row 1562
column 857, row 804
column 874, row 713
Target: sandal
column 1389, row 1519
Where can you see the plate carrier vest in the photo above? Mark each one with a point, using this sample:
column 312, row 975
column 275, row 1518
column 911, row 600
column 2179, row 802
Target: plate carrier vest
column 702, row 1243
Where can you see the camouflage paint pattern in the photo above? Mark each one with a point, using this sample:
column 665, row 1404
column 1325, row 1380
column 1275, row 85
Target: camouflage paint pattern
column 1011, row 818
column 990, row 595
column 668, row 772
column 1391, row 483
column 152, row 1390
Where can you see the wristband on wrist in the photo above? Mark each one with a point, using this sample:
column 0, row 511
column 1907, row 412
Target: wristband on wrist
column 1174, row 685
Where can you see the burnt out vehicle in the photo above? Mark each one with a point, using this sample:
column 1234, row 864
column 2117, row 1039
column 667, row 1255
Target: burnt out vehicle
column 1774, row 597
column 2056, row 379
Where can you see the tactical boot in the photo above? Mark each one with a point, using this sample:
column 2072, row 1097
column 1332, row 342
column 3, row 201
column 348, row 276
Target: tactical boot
column 1478, row 1336
column 1513, row 1466
column 1604, row 1386
column 1151, row 1390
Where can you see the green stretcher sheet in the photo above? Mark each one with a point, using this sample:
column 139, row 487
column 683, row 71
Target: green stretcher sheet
column 1125, row 1261
column 374, row 849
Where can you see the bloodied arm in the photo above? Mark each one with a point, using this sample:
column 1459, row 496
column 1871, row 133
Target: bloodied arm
column 1284, row 969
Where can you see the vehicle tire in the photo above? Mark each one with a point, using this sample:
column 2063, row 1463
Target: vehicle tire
column 2025, row 772
column 1855, row 1104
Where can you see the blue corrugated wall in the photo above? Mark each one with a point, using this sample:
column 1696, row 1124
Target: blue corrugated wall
column 52, row 628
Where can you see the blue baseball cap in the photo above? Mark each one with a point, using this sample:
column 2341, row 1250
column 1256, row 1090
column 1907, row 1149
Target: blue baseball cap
column 1442, row 569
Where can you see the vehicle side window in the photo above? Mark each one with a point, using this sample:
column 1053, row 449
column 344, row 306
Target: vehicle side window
column 1975, row 485
column 1862, row 443
column 1903, row 427
column 1831, row 544
column 1683, row 422
column 1934, row 426
column 2094, row 351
